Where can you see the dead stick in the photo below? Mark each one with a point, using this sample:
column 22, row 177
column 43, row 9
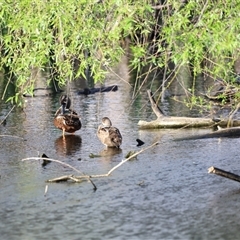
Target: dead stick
column 76, row 178
column 230, row 121
column 114, row 168
column 132, row 156
column 59, row 179
column 223, row 173
column 73, row 178
column 12, row 136
column 65, row 164
column 158, row 112
column 53, row 160
column 93, row 176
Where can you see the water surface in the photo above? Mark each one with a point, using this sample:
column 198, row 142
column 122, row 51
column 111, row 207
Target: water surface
column 164, row 193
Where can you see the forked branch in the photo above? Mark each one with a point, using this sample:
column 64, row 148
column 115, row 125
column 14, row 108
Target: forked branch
column 83, row 176
column 63, row 178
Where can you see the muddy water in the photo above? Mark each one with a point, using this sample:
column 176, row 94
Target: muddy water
column 165, row 193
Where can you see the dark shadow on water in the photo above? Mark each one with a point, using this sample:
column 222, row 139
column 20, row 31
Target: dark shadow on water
column 68, row 145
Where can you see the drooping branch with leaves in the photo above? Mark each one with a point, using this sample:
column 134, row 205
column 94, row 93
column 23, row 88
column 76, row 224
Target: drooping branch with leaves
column 64, row 38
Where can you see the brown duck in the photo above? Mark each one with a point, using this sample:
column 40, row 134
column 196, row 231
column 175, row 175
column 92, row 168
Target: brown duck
column 109, row 136
column 65, row 118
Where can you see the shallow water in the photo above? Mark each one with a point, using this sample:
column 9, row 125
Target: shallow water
column 164, row 193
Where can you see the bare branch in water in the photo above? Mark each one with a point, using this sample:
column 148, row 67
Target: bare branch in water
column 224, row 173
column 132, row 156
column 46, row 189
column 53, row 160
column 65, row 164
column 84, row 176
column 12, row 136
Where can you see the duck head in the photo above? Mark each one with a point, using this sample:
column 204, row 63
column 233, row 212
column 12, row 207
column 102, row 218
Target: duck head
column 106, row 122
column 65, row 103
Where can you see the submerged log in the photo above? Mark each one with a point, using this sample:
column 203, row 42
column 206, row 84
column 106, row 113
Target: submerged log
column 223, row 173
column 232, row 132
column 163, row 121
column 87, row 91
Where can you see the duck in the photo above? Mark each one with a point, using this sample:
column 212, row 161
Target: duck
column 109, row 136
column 65, row 118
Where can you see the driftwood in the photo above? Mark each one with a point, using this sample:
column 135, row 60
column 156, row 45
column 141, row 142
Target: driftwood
column 88, row 91
column 83, row 176
column 233, row 132
column 78, row 178
column 225, row 174
column 163, row 121
column 63, row 178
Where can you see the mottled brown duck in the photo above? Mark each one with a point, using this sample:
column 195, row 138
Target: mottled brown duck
column 65, row 118
column 109, row 136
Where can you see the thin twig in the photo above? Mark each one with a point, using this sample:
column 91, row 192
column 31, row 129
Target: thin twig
column 7, row 114
column 117, row 75
column 53, row 160
column 5, row 89
column 132, row 156
column 65, row 164
column 122, row 162
column 11, row 136
column 165, row 76
column 201, row 14
column 46, row 189
column 159, row 113
column 232, row 114
column 77, row 178
column 60, row 179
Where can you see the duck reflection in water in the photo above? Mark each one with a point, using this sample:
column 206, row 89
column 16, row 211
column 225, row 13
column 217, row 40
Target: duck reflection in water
column 108, row 155
column 108, row 152
column 68, row 145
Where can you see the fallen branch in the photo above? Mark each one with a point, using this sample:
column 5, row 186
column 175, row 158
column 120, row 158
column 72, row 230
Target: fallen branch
column 12, row 136
column 158, row 112
column 64, row 178
column 132, row 156
column 164, row 121
column 232, row 132
column 223, row 173
column 121, row 163
column 83, row 176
